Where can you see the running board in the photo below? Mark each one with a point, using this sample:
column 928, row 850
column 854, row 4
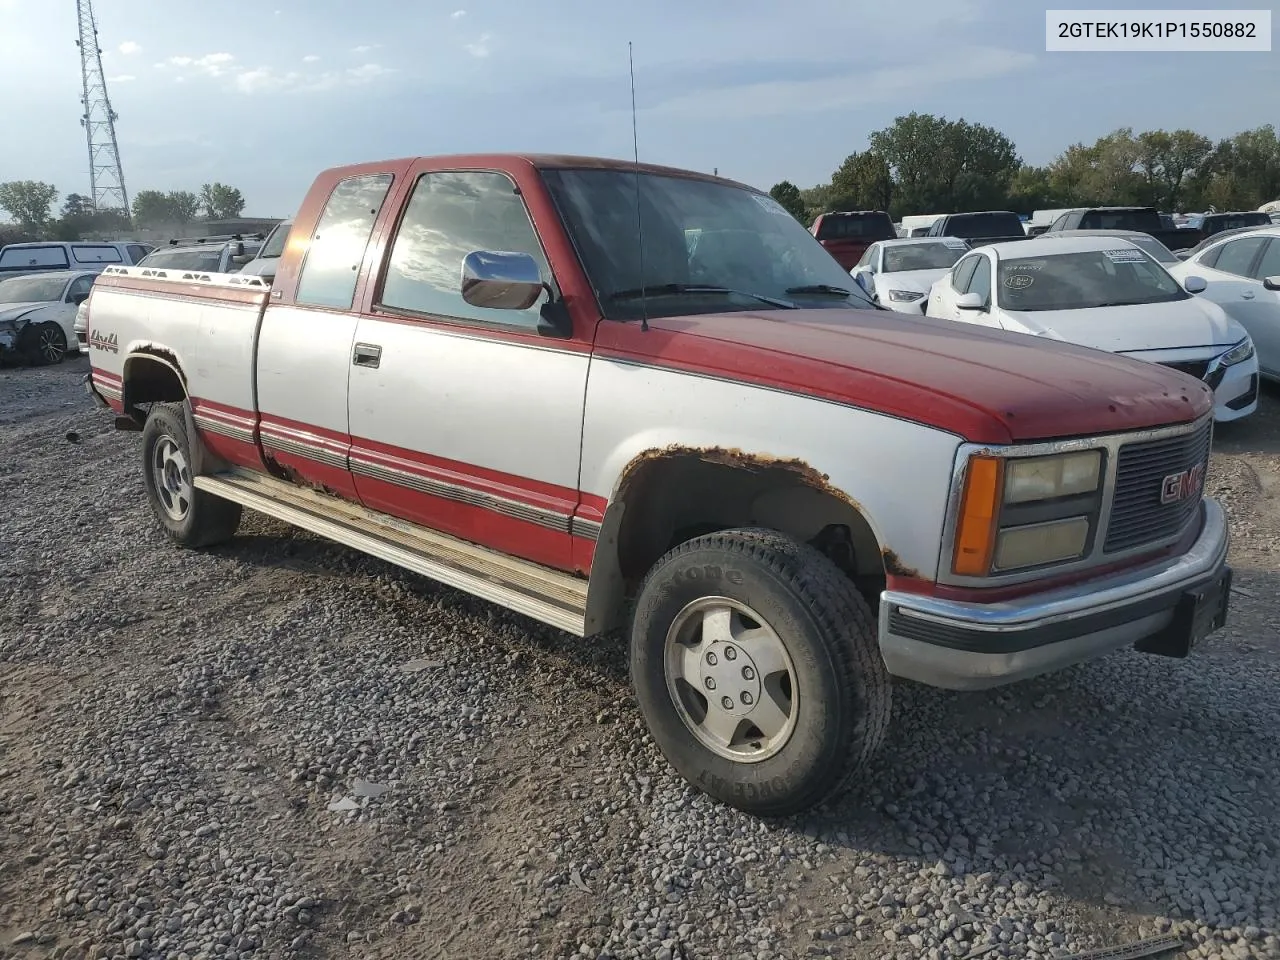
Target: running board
column 551, row 596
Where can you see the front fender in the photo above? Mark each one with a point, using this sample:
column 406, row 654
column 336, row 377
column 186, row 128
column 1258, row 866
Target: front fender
column 896, row 473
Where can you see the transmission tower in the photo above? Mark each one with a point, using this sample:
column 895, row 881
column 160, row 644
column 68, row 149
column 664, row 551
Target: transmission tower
column 106, row 176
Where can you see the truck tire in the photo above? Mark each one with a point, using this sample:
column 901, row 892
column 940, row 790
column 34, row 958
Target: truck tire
column 191, row 517
column 43, row 343
column 756, row 667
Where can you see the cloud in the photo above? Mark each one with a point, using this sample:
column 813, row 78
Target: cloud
column 123, row 78
column 479, row 48
column 457, row 15
column 211, row 64
column 310, row 58
column 129, row 48
column 365, row 47
column 845, row 89
column 264, row 79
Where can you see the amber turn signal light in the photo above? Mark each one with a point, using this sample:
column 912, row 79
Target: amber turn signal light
column 976, row 527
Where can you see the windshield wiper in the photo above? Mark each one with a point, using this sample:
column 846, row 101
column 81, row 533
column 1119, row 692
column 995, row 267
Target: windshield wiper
column 677, row 289
column 820, row 288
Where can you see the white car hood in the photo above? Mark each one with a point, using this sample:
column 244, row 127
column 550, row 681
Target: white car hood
column 1194, row 322
column 12, row 311
column 917, row 280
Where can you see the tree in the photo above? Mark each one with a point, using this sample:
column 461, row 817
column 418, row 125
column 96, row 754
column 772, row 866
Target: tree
column 221, row 202
column 862, row 182
column 1167, row 160
column 788, row 194
column 28, row 202
column 183, row 205
column 151, row 208
column 77, row 207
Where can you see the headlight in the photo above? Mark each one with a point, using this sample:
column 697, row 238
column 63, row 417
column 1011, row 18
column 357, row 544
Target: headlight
column 1045, row 478
column 1238, row 354
column 1018, row 513
column 905, row 296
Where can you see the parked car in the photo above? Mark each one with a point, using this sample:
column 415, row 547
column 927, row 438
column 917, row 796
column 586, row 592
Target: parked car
column 1040, row 221
column 918, row 224
column 18, row 259
column 979, row 227
column 1203, row 244
column 1138, row 219
column 1110, row 295
column 1210, row 224
column 846, row 235
column 224, row 254
column 37, row 312
column 785, row 494
column 898, row 273
column 268, row 258
column 1144, row 241
column 1243, row 276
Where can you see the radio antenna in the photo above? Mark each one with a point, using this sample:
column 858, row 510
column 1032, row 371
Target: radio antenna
column 635, row 147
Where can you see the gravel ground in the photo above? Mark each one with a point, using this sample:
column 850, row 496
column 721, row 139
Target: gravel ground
column 280, row 748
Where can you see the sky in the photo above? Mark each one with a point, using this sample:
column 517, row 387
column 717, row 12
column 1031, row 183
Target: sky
column 263, row 94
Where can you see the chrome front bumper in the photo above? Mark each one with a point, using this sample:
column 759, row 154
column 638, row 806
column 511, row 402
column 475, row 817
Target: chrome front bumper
column 1163, row 607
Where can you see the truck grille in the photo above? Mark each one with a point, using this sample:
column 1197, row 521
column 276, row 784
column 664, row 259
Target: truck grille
column 1137, row 515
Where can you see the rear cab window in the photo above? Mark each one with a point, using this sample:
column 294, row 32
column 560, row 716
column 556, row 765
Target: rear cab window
column 95, row 253
column 332, row 264
column 1139, row 221
column 982, row 225
column 869, row 225
column 1217, row 222
column 43, row 256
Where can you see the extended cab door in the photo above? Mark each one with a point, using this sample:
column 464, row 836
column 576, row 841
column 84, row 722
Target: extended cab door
column 304, row 345
column 467, row 419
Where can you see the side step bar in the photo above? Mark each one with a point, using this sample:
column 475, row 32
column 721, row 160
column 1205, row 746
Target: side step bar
column 551, row 596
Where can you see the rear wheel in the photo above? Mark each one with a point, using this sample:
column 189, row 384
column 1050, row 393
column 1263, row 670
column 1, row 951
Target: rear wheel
column 193, row 518
column 44, row 343
column 756, row 667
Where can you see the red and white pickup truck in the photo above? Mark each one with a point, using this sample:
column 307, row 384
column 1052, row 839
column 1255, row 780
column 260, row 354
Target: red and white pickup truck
column 478, row 368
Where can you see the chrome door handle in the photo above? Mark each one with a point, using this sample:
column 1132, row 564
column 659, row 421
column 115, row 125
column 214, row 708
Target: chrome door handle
column 367, row 355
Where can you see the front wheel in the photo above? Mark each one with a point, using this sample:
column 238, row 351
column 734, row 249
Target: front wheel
column 756, row 667
column 193, row 518
column 44, row 343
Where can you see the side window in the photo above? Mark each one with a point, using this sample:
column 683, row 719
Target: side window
column 869, row 257
column 1269, row 265
column 449, row 216
column 962, row 273
column 1060, row 223
column 1237, row 255
column 137, row 251
column 332, row 263
column 980, row 282
column 80, row 285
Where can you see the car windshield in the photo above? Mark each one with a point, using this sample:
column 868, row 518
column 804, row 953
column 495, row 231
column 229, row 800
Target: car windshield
column 273, row 249
column 1154, row 247
column 205, row 259
column 923, row 256
column 1080, row 281
column 710, row 247
column 31, row 289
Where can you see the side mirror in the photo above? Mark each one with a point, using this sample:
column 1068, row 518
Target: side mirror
column 242, row 258
column 1194, row 284
column 970, row 301
column 501, row 281
column 1271, row 283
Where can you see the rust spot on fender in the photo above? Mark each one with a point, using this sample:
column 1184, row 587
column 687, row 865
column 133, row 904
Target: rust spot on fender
column 735, row 457
column 894, row 566
column 282, row 472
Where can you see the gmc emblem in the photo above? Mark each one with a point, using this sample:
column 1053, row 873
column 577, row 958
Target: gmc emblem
column 1182, row 486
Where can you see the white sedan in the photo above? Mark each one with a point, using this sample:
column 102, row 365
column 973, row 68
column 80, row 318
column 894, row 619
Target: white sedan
column 37, row 313
column 898, row 273
column 1110, row 295
column 1243, row 276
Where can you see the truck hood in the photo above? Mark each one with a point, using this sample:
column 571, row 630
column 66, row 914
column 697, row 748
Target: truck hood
column 985, row 385
column 1194, row 322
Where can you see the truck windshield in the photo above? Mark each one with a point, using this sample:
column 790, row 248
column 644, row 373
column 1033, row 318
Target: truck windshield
column 1080, row 281
column 32, row 289
column 712, row 247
